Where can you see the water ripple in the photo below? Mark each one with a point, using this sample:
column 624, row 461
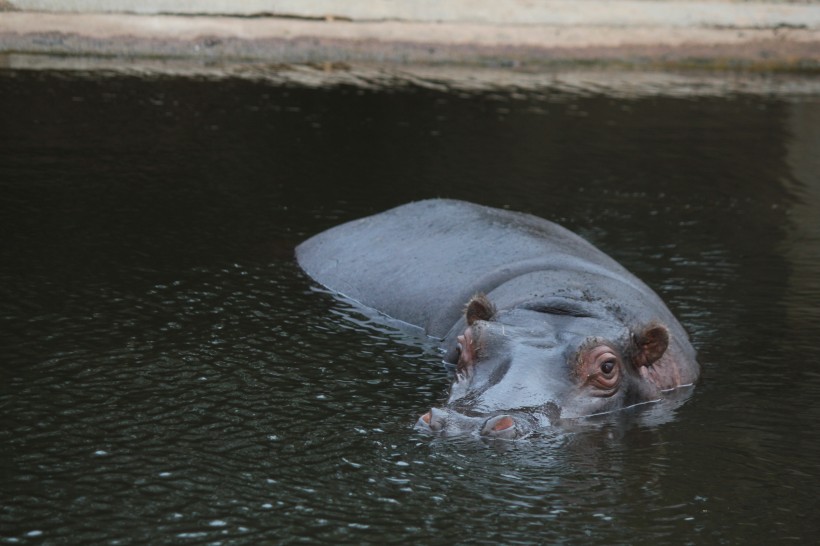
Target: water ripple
column 168, row 374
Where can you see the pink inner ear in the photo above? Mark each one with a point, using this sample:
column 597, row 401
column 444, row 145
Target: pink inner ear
column 652, row 343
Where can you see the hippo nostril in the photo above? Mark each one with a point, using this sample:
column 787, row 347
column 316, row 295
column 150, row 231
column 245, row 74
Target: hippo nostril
column 501, row 426
column 503, row 423
column 436, row 419
column 428, row 422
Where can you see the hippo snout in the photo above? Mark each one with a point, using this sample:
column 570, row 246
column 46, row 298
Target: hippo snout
column 451, row 423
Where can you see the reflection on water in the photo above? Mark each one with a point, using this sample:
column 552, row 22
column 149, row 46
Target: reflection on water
column 169, row 375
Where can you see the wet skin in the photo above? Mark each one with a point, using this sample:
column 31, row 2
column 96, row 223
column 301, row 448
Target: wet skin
column 541, row 327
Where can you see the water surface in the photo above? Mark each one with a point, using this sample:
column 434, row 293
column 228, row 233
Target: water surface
column 169, row 376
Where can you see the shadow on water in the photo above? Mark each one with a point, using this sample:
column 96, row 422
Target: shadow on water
column 170, row 376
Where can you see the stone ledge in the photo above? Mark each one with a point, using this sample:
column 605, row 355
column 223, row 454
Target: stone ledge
column 285, row 40
column 611, row 13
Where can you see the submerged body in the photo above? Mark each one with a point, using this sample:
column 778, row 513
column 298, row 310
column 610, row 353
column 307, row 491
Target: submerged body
column 540, row 325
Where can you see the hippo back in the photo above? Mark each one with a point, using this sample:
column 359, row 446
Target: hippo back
column 421, row 262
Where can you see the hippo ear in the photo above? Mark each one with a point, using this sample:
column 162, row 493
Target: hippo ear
column 479, row 308
column 650, row 344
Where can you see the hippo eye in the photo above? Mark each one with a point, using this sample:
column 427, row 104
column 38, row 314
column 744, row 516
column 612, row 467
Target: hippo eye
column 465, row 351
column 603, row 371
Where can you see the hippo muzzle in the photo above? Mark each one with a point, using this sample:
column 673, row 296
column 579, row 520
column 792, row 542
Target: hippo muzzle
column 504, row 426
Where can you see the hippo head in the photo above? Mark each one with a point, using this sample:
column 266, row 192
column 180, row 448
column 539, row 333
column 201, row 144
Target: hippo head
column 539, row 364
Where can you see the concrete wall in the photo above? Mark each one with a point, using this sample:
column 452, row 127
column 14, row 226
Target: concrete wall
column 553, row 12
column 521, row 33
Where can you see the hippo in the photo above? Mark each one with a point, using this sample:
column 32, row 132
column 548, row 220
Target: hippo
column 538, row 326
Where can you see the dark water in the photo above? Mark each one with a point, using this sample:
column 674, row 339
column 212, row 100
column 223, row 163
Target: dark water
column 168, row 376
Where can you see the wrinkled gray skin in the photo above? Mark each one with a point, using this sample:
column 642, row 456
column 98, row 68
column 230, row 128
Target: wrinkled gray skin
column 541, row 326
